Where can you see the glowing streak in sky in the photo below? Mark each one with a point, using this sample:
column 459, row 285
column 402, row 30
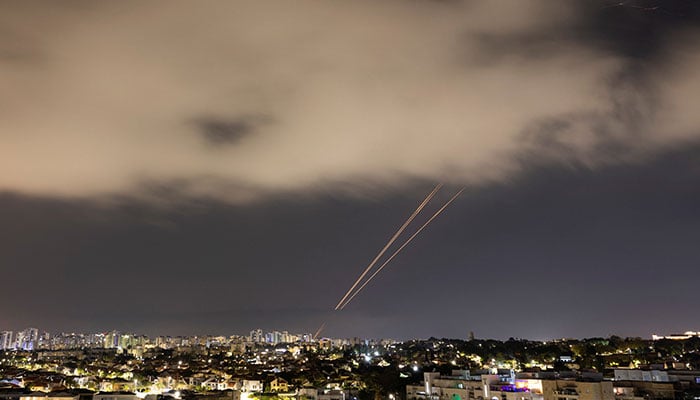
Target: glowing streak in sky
column 438, row 212
column 391, row 241
column 320, row 329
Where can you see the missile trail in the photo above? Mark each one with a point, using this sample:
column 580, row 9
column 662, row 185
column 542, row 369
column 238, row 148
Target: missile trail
column 391, row 241
column 438, row 212
column 320, row 329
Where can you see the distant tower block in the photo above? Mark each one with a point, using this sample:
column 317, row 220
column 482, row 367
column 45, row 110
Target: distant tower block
column 471, row 335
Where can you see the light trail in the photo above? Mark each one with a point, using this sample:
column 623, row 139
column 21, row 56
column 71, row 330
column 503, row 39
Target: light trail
column 391, row 241
column 320, row 329
column 438, row 212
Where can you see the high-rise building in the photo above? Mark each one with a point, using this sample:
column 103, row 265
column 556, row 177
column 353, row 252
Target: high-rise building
column 125, row 341
column 111, row 340
column 44, row 341
column 256, row 336
column 26, row 339
column 6, row 341
column 33, row 339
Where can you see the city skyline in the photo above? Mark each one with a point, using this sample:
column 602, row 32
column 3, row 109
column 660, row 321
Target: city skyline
column 36, row 340
column 29, row 338
column 211, row 168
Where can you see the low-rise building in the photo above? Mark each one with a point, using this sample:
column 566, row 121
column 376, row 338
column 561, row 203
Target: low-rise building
column 623, row 374
column 462, row 385
column 114, row 396
column 248, row 385
column 333, row 395
column 117, row 385
column 279, row 385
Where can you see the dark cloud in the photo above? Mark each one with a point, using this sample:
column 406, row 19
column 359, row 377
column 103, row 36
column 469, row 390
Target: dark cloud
column 612, row 135
column 639, row 30
column 221, row 131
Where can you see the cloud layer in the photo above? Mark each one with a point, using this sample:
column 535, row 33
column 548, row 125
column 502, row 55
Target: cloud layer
column 235, row 100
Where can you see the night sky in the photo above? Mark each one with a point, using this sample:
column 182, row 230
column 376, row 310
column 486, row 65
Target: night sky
column 215, row 167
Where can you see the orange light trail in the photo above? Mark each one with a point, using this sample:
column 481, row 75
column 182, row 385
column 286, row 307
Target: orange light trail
column 320, row 329
column 438, row 212
column 391, row 241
